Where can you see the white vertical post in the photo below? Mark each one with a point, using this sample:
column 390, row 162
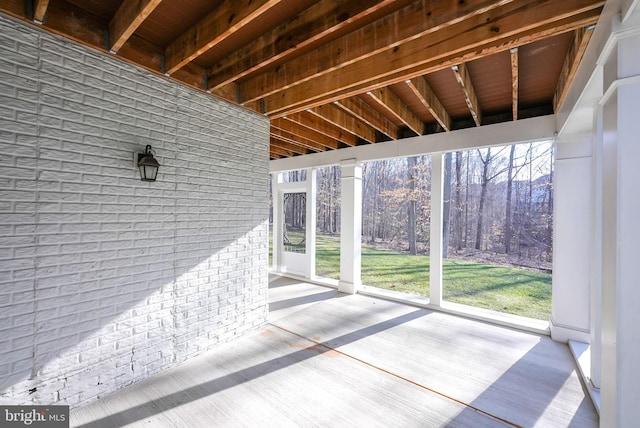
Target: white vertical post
column 572, row 222
column 628, row 290
column 596, row 255
column 311, row 222
column 276, row 199
column 620, row 371
column 350, row 226
column 609, row 326
column 435, row 231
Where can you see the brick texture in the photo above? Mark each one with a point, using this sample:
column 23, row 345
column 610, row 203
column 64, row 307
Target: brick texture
column 105, row 279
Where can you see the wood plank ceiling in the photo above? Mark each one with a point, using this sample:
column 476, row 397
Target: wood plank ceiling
column 337, row 73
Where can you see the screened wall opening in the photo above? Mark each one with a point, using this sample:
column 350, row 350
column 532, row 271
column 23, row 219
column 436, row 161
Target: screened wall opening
column 396, row 201
column 328, row 222
column 497, row 218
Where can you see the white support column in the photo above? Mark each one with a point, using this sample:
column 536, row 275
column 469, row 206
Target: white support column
column 435, row 230
column 311, row 222
column 572, row 227
column 620, row 377
column 350, row 226
column 595, row 357
column 276, row 199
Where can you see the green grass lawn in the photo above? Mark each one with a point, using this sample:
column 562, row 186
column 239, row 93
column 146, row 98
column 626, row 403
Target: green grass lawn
column 504, row 289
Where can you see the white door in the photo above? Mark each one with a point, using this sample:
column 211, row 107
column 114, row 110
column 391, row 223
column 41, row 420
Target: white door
column 293, row 237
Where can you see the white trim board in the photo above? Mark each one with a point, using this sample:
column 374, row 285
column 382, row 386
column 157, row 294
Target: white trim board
column 521, row 131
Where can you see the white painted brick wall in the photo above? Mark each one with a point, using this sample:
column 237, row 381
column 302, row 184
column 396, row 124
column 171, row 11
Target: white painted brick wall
column 105, row 279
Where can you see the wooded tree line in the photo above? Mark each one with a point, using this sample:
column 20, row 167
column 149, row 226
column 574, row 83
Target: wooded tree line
column 496, row 200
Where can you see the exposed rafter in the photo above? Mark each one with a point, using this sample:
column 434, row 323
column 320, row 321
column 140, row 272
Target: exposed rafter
column 276, row 147
column 363, row 111
column 320, row 125
column 318, row 21
column 414, row 21
column 464, row 80
column 289, row 137
column 316, row 140
column 423, row 91
column 221, row 23
column 89, row 30
column 324, row 76
column 230, row 93
column 394, row 105
column 127, row 19
column 581, row 38
column 288, row 145
column 276, row 151
column 40, row 10
column 348, row 123
column 518, row 23
column 514, row 82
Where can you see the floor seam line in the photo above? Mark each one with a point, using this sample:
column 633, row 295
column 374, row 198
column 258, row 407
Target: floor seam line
column 403, row 378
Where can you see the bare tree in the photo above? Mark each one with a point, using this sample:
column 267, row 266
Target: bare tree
column 507, row 221
column 486, row 178
column 411, row 212
column 550, row 207
column 458, row 209
column 446, row 206
column 486, row 161
column 466, row 203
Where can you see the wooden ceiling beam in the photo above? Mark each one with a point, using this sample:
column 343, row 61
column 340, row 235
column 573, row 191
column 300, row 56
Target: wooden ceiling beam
column 394, row 105
column 363, row 111
column 40, row 10
column 315, row 23
column 295, row 139
column 584, row 19
column 463, row 77
column 88, row 30
column 276, row 150
column 322, row 141
column 255, row 106
column 414, row 21
column 401, row 60
column 222, row 22
column 84, row 28
column 288, row 146
column 339, row 118
column 16, row 8
column 229, row 93
column 428, row 98
column 457, row 43
column 579, row 43
column 127, row 19
column 314, row 122
column 514, row 81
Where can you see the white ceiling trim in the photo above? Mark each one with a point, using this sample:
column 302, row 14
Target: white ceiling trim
column 500, row 134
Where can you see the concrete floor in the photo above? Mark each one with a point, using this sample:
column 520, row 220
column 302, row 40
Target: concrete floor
column 325, row 359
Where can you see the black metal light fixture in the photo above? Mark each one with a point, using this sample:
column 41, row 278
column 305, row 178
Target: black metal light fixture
column 148, row 165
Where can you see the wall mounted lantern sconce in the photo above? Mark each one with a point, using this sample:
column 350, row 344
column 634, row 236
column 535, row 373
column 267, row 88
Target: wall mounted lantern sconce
column 148, row 165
